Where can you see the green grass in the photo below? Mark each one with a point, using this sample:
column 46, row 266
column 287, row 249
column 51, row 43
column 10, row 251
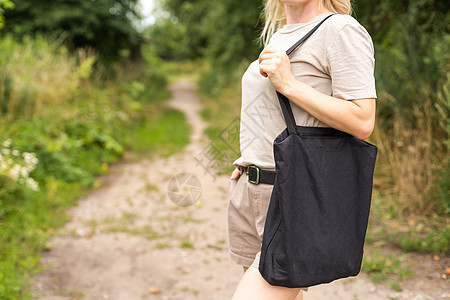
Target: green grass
column 386, row 268
column 187, row 245
column 410, row 233
column 190, row 219
column 160, row 246
column 184, row 70
column 24, row 234
column 427, row 236
column 73, row 294
column 162, row 133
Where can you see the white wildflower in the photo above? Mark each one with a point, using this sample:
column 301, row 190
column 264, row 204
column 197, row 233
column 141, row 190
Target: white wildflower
column 26, row 156
column 123, row 116
column 30, row 158
column 29, row 168
column 32, row 184
column 7, row 143
column 15, row 172
column 24, row 172
column 16, row 169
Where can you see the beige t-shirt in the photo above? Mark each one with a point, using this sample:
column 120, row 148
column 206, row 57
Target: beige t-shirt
column 337, row 60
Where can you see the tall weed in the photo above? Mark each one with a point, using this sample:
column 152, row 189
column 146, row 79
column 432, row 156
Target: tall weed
column 405, row 165
column 413, row 121
column 36, row 74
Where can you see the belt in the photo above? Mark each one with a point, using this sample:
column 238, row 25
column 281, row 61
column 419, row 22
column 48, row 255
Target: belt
column 256, row 176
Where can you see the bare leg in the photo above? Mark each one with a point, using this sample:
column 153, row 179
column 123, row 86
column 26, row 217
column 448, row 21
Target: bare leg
column 299, row 296
column 254, row 286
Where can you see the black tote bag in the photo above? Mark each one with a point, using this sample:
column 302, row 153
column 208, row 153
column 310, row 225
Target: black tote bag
column 319, row 208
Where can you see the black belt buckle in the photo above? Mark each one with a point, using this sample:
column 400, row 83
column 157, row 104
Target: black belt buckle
column 253, row 174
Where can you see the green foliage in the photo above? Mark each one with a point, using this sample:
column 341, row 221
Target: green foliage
column 233, row 33
column 412, row 53
column 378, row 17
column 107, row 25
column 224, row 32
column 411, row 66
column 180, row 35
column 63, row 139
column 24, row 90
column 412, row 69
column 4, row 5
column 442, row 106
column 176, row 46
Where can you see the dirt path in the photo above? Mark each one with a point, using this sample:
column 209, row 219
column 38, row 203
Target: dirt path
column 127, row 240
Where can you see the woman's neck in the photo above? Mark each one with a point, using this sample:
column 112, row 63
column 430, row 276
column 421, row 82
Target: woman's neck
column 302, row 13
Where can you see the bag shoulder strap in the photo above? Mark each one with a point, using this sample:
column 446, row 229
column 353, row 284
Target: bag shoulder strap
column 284, row 102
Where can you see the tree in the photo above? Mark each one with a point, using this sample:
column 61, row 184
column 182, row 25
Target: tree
column 105, row 25
column 225, row 32
column 4, row 5
column 431, row 16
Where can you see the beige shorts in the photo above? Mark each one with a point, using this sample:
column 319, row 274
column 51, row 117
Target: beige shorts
column 247, row 210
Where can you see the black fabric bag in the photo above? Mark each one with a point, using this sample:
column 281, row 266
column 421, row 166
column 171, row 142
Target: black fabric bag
column 319, row 208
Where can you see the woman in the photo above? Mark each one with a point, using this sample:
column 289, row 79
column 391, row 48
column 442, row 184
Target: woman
column 329, row 81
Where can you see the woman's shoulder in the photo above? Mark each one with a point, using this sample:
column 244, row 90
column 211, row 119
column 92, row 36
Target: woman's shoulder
column 345, row 26
column 338, row 21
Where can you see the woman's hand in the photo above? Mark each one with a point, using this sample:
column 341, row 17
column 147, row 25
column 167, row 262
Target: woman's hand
column 236, row 173
column 275, row 65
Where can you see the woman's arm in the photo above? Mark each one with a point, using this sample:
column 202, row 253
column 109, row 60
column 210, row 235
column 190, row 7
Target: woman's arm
column 356, row 117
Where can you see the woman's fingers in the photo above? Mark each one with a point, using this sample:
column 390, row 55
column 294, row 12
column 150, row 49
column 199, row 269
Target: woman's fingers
column 266, row 70
column 268, row 56
column 236, row 173
column 270, row 52
column 273, row 61
column 267, row 67
column 275, row 65
column 270, row 60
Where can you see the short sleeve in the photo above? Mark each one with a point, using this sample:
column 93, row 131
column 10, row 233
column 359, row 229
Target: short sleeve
column 351, row 63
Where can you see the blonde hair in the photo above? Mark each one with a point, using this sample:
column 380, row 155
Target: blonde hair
column 276, row 18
